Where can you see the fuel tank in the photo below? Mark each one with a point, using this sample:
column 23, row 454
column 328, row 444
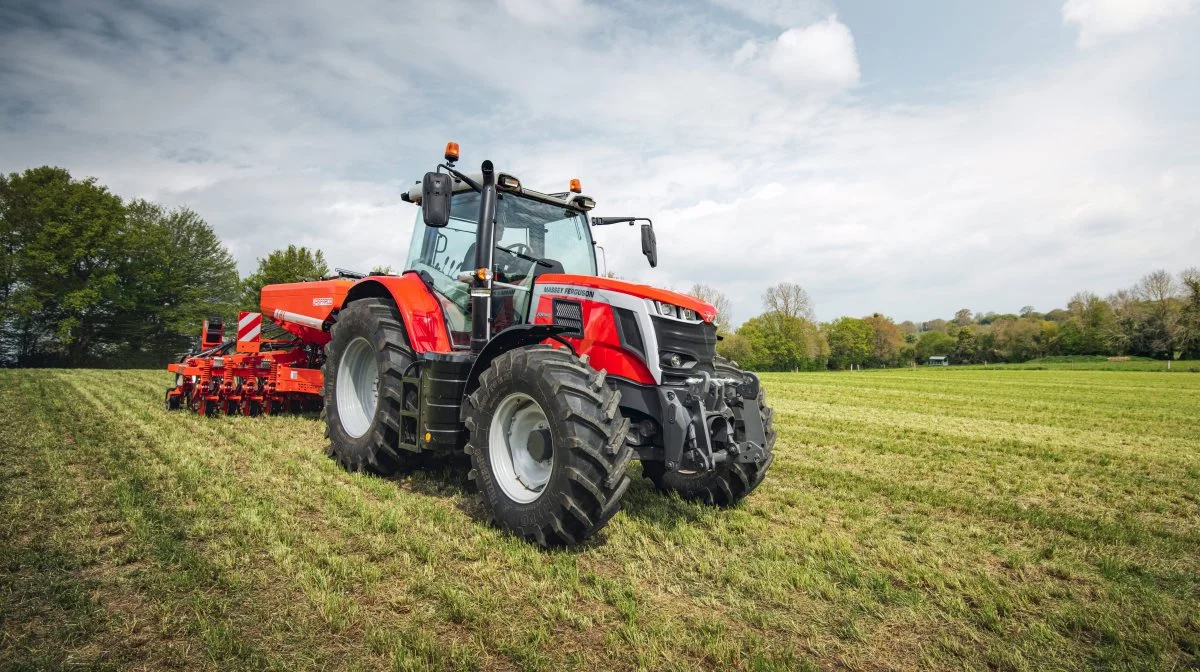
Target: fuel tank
column 303, row 307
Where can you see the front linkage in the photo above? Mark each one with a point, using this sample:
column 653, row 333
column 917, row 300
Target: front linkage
column 701, row 419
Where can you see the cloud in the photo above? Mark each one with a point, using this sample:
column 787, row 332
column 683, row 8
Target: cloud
column 778, row 12
column 1102, row 19
column 819, row 56
column 1069, row 173
column 563, row 13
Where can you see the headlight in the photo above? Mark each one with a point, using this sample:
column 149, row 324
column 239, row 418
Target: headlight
column 665, row 309
column 687, row 314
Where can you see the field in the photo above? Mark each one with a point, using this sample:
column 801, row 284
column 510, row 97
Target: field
column 932, row 519
column 1099, row 364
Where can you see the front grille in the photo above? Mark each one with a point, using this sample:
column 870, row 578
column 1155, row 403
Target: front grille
column 569, row 314
column 697, row 343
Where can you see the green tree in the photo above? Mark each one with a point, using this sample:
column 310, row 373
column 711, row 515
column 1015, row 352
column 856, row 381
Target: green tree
column 176, row 274
column 933, row 343
column 735, row 347
column 776, row 342
column 964, row 346
column 63, row 247
column 293, row 264
column 851, row 342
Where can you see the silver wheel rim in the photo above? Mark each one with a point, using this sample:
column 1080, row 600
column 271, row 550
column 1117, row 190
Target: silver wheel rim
column 519, row 474
column 357, row 387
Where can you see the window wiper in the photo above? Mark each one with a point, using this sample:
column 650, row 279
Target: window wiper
column 526, row 257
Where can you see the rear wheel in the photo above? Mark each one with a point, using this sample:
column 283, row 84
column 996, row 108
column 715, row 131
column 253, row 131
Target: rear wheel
column 363, row 368
column 547, row 445
column 729, row 482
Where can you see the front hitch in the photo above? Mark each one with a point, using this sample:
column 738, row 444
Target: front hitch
column 700, row 422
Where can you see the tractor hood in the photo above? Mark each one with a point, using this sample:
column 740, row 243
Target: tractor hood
column 706, row 311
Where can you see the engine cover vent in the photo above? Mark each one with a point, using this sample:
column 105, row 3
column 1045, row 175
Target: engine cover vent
column 569, row 314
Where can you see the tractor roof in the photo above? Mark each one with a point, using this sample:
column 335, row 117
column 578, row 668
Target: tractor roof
column 565, row 199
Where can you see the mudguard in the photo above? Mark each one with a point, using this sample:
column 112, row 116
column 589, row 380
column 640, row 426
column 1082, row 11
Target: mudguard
column 419, row 308
column 517, row 336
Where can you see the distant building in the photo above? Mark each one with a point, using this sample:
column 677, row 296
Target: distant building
column 939, row 360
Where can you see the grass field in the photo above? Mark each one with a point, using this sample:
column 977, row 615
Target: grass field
column 932, row 519
column 1099, row 364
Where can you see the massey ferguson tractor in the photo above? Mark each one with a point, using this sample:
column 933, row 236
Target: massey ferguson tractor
column 499, row 339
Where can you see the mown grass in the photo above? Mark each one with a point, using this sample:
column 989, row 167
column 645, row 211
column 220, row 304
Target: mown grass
column 932, row 519
column 1097, row 364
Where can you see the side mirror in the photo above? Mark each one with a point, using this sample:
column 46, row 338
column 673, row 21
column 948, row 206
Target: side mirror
column 649, row 245
column 436, row 190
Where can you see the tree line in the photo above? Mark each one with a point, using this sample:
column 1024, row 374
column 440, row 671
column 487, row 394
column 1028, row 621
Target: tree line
column 1158, row 317
column 90, row 279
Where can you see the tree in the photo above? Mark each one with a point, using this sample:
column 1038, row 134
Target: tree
column 964, row 346
column 293, row 264
column 962, row 317
column 934, row 343
column 1190, row 313
column 776, row 342
column 851, row 342
column 177, row 273
column 1092, row 323
column 719, row 301
column 1159, row 293
column 736, row 348
column 63, row 245
column 788, row 299
column 886, row 341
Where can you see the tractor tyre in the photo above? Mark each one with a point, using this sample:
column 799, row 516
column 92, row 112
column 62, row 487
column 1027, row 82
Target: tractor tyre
column 730, row 482
column 547, row 445
column 364, row 364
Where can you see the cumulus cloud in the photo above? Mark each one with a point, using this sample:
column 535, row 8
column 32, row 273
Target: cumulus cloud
column 1101, row 19
column 818, row 56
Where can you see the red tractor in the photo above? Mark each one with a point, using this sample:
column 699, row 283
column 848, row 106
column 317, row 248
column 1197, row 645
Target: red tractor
column 500, row 339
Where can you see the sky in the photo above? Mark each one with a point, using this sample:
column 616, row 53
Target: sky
column 903, row 158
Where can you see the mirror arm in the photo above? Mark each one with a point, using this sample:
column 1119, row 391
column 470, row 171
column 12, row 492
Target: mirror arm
column 605, row 221
column 461, row 176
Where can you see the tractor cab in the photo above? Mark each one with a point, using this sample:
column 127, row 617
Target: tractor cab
column 534, row 234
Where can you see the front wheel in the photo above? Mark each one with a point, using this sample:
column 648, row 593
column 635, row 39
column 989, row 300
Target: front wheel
column 547, row 445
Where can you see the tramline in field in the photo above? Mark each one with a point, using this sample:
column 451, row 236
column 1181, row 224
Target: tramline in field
column 566, row 377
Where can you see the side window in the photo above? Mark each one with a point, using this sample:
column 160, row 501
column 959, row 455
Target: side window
column 567, row 243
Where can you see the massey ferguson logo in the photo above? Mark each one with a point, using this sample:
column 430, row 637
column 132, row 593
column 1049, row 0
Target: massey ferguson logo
column 570, row 291
column 323, row 301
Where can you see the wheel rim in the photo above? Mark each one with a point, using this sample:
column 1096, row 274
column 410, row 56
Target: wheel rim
column 357, row 387
column 513, row 449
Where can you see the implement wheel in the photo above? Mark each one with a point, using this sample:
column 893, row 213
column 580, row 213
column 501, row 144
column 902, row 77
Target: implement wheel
column 547, row 445
column 730, row 482
column 364, row 363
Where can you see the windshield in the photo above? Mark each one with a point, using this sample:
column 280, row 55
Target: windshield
column 524, row 228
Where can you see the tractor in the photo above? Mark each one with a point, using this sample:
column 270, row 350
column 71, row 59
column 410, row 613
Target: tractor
column 500, row 339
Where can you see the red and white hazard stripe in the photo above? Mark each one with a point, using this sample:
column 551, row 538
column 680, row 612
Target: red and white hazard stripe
column 249, row 326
